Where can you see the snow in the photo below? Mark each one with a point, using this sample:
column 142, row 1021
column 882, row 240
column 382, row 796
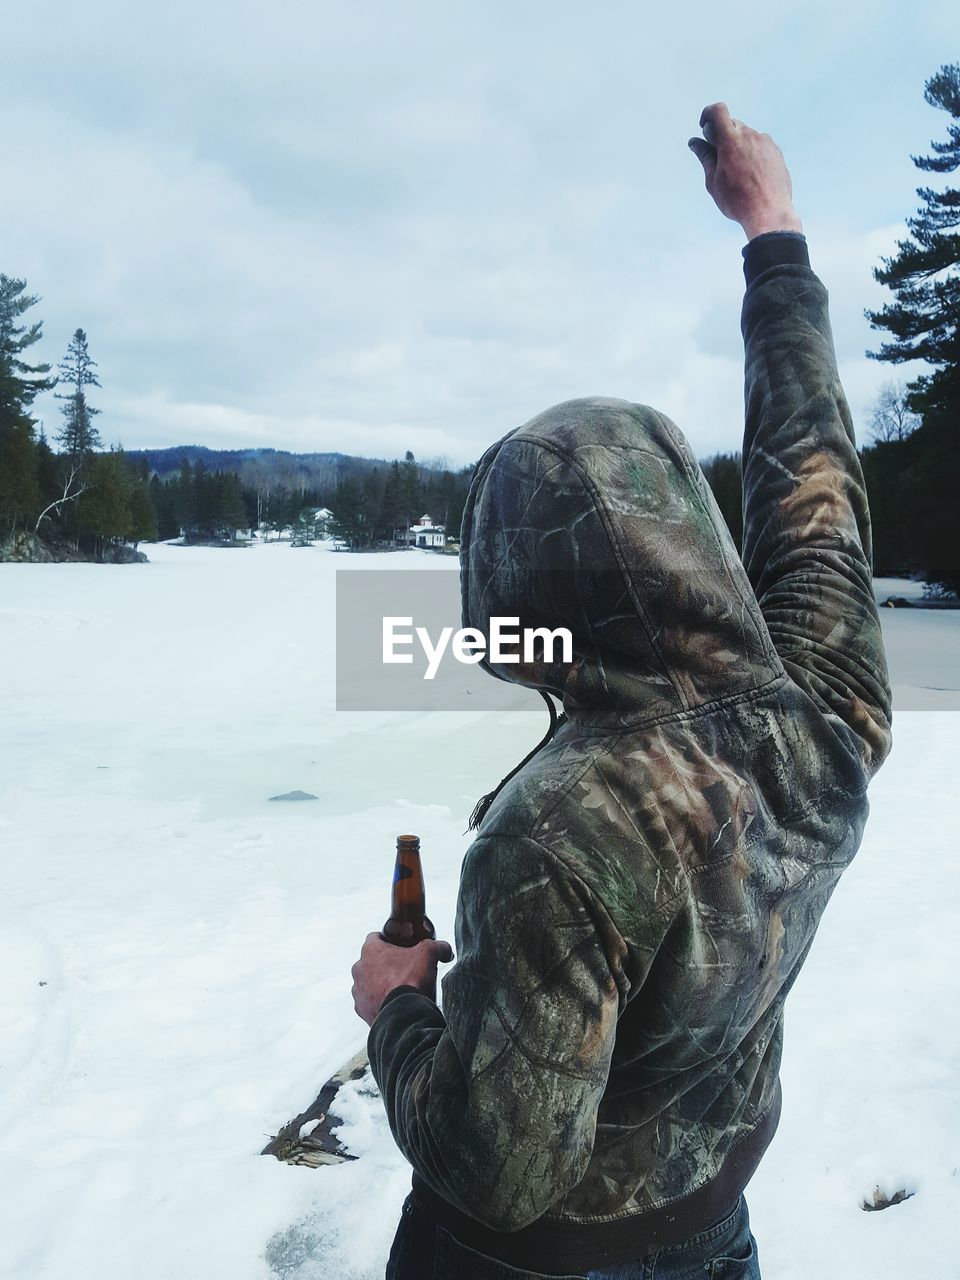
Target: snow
column 175, row 950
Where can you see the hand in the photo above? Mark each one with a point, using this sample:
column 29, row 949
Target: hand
column 383, row 966
column 745, row 173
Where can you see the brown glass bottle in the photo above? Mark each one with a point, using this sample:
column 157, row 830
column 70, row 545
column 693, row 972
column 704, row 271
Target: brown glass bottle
column 408, row 923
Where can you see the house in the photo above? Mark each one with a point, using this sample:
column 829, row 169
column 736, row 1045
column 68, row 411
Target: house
column 424, row 533
column 321, row 519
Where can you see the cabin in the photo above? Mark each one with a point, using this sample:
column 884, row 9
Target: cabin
column 424, row 533
column 322, row 517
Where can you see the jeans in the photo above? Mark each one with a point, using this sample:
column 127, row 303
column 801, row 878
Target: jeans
column 423, row 1250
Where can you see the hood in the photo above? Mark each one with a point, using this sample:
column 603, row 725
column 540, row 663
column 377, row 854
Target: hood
column 595, row 516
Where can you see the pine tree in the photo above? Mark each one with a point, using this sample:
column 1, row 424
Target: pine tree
column 349, row 522
column 163, row 498
column 898, row 507
column 372, row 489
column 924, row 274
column 185, row 501
column 229, row 513
column 103, row 511
column 304, row 530
column 723, row 474
column 19, row 487
column 20, row 383
column 458, row 501
column 925, row 325
column 48, row 470
column 282, row 509
column 78, row 435
column 445, row 487
column 204, row 487
column 391, row 517
column 143, row 517
column 410, row 495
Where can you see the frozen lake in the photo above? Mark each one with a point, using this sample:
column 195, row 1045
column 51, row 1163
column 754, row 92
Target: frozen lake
column 175, row 950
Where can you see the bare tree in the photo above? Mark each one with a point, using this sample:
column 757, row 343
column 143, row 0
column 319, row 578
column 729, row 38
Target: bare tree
column 892, row 417
column 73, row 487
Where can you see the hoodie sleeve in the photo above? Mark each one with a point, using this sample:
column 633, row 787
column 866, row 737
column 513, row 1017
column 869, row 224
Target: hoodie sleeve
column 807, row 543
column 494, row 1101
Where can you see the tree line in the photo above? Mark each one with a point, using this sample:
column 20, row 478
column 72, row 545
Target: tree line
column 72, row 492
column 376, row 508
column 370, row 505
column 91, row 499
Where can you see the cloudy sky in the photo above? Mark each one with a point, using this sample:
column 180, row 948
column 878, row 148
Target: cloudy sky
column 380, row 226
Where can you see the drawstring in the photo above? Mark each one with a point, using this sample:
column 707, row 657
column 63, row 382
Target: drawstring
column 484, row 803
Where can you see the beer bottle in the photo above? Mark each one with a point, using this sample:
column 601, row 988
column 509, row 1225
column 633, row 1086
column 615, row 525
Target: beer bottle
column 408, row 923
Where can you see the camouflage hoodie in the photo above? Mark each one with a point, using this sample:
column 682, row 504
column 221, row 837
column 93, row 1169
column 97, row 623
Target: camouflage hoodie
column 603, row 1078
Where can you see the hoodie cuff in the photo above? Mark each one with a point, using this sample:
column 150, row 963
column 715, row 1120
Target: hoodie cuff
column 774, row 249
column 401, row 991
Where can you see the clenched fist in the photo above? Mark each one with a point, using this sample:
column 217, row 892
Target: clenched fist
column 745, row 173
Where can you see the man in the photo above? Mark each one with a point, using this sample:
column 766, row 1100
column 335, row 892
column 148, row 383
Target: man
column 603, row 1079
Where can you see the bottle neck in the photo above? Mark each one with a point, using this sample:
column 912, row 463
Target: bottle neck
column 409, row 898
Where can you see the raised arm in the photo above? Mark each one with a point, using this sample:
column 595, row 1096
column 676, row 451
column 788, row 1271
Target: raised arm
column 807, row 544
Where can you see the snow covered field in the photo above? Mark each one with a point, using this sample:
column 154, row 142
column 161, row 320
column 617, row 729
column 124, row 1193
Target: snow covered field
column 175, row 950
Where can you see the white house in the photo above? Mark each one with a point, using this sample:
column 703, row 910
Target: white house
column 424, row 533
column 321, row 519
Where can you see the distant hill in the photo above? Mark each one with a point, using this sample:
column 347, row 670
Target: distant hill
column 257, row 467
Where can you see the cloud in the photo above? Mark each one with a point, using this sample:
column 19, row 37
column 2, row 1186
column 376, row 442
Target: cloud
column 387, row 227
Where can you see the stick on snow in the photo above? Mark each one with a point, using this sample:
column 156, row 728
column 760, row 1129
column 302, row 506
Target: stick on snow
column 319, row 1146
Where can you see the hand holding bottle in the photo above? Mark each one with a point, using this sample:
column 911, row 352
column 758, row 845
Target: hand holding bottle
column 382, row 967
column 405, row 953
